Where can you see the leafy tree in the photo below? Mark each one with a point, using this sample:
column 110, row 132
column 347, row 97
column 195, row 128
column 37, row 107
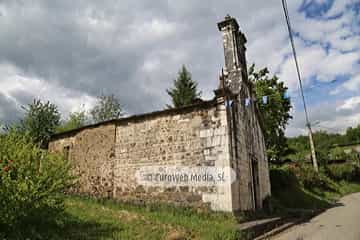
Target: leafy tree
column 75, row 120
column 108, row 107
column 353, row 134
column 40, row 121
column 185, row 89
column 276, row 112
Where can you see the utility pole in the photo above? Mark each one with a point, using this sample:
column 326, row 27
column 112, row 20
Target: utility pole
column 308, row 125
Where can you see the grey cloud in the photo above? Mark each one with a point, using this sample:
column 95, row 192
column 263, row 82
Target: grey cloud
column 9, row 112
column 23, row 97
column 48, row 41
column 89, row 46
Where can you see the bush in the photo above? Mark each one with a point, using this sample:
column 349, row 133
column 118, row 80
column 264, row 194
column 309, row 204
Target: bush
column 311, row 179
column 31, row 181
column 295, row 174
column 346, row 171
column 338, row 154
column 282, row 179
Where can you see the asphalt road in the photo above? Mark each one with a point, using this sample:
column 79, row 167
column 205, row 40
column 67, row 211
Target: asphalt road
column 338, row 223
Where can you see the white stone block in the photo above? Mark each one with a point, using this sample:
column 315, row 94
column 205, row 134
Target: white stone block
column 216, row 140
column 203, row 133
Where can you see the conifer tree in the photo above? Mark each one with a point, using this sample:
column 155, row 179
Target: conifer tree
column 185, row 89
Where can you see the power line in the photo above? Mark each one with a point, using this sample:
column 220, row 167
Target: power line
column 284, row 4
column 295, row 57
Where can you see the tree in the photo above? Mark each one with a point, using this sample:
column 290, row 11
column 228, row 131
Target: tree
column 40, row 121
column 108, row 107
column 275, row 112
column 353, row 134
column 75, row 120
column 185, row 89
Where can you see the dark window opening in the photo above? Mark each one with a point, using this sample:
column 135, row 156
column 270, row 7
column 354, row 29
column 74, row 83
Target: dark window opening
column 66, row 152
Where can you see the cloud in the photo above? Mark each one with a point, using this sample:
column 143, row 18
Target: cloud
column 350, row 104
column 8, row 111
column 353, row 84
column 71, row 51
column 18, row 90
column 328, row 115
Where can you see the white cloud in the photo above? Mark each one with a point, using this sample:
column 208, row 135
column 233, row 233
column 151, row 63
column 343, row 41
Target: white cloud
column 13, row 82
column 342, row 58
column 333, row 116
column 353, row 84
column 350, row 104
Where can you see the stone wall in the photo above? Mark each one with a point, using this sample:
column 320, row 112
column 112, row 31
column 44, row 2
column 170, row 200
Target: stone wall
column 106, row 157
column 249, row 156
column 194, row 138
column 92, row 155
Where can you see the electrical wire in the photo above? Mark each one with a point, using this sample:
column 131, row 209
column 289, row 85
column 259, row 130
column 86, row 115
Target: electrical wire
column 284, row 4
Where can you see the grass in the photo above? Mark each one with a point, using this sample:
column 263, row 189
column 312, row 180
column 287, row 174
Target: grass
column 289, row 193
column 86, row 218
column 343, row 188
column 300, row 198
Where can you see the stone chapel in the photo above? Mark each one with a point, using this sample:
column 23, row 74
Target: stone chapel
column 226, row 131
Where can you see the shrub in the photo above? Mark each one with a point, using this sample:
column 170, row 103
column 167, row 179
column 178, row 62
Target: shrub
column 295, row 174
column 282, row 179
column 346, row 171
column 338, row 154
column 31, row 181
column 311, row 179
column 322, row 155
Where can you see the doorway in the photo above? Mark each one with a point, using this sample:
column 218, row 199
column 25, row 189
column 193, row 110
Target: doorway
column 255, row 182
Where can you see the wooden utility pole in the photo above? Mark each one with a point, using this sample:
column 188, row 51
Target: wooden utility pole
column 312, row 147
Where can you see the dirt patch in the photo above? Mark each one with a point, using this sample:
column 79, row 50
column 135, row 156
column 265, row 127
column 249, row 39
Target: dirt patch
column 129, row 216
column 175, row 235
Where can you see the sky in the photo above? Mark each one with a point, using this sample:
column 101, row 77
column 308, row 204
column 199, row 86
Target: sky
column 70, row 52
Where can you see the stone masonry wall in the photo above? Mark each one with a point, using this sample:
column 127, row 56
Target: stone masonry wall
column 92, row 157
column 106, row 157
column 249, row 154
column 195, row 138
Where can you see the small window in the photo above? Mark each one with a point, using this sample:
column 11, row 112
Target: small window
column 66, row 152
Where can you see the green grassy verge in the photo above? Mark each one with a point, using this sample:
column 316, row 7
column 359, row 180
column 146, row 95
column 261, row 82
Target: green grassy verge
column 290, row 192
column 302, row 198
column 86, row 218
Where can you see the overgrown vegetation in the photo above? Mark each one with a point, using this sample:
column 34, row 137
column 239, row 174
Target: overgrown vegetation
column 31, row 183
column 299, row 186
column 329, row 146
